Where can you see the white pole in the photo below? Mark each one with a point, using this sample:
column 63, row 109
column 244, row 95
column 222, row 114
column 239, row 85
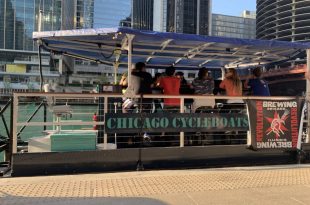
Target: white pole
column 105, row 136
column 223, row 73
column 115, row 65
column 15, row 116
column 210, row 18
column 39, row 48
column 198, row 17
column 130, row 38
column 40, row 20
column 308, row 72
column 115, row 135
column 182, row 133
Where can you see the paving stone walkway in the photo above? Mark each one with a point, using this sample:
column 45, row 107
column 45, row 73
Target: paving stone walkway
column 255, row 185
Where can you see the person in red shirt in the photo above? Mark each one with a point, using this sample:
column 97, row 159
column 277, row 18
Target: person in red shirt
column 95, row 119
column 171, row 86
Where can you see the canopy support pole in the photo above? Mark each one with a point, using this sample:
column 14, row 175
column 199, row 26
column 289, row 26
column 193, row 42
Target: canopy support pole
column 14, row 116
column 130, row 39
column 40, row 68
column 182, row 106
column 223, row 73
column 39, row 48
column 115, row 65
column 308, row 92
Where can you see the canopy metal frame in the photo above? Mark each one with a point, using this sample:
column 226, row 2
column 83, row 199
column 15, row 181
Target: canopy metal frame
column 159, row 50
column 184, row 51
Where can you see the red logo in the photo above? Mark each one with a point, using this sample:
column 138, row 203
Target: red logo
column 277, row 124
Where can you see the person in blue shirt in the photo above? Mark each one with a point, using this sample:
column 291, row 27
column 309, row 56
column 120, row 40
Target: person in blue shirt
column 258, row 86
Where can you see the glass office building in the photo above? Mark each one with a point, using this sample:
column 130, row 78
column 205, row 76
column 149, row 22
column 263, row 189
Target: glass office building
column 18, row 52
column 111, row 13
column 182, row 16
column 142, row 14
column 19, row 18
column 84, row 14
column 233, row 26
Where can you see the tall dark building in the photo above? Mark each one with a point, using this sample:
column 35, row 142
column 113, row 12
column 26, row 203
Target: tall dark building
column 142, row 14
column 18, row 52
column 287, row 20
column 19, row 18
column 181, row 16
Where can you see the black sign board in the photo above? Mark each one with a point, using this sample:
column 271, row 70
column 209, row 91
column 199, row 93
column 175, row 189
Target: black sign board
column 175, row 122
column 274, row 123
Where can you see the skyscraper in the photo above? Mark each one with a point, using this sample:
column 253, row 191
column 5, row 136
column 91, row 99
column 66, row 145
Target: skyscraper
column 77, row 14
column 105, row 14
column 234, row 26
column 142, row 14
column 287, row 20
column 19, row 63
column 19, row 18
column 180, row 16
column 111, row 13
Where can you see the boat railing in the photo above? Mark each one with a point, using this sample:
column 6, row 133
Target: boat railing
column 106, row 121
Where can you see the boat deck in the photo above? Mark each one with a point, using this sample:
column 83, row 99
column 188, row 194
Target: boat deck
column 289, row 184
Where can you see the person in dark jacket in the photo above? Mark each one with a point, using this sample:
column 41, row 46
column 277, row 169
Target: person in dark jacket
column 145, row 84
column 258, row 86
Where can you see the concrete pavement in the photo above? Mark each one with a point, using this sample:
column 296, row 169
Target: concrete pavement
column 256, row 185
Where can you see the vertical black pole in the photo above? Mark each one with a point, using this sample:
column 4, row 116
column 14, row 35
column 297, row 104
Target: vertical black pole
column 40, row 68
column 44, row 107
column 140, row 166
column 5, row 126
column 100, row 115
column 10, row 154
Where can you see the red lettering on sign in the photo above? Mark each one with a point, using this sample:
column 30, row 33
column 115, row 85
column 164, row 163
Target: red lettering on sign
column 294, row 127
column 259, row 121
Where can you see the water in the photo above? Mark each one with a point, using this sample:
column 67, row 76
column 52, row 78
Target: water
column 1, row 156
column 82, row 113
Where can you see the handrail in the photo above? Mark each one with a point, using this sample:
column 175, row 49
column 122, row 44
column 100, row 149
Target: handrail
column 5, row 126
column 111, row 95
column 3, row 147
column 103, row 105
column 29, row 119
column 2, row 110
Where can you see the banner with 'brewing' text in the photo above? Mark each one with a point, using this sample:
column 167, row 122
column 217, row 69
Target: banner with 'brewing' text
column 274, row 123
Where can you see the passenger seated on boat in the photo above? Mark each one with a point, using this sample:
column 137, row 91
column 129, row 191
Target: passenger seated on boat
column 171, row 86
column 123, row 82
column 141, row 83
column 232, row 85
column 185, row 88
column 203, row 85
column 145, row 86
column 130, row 103
column 157, row 90
column 258, row 86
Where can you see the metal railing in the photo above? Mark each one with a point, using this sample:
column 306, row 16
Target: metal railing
column 78, row 111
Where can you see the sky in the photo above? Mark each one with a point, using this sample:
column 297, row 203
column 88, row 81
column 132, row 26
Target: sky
column 232, row 7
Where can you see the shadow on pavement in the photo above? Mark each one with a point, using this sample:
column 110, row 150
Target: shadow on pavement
column 8, row 200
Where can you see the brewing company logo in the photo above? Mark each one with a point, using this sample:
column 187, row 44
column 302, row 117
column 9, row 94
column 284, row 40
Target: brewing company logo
column 277, row 124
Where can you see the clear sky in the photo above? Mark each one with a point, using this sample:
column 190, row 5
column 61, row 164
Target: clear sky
column 232, row 7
